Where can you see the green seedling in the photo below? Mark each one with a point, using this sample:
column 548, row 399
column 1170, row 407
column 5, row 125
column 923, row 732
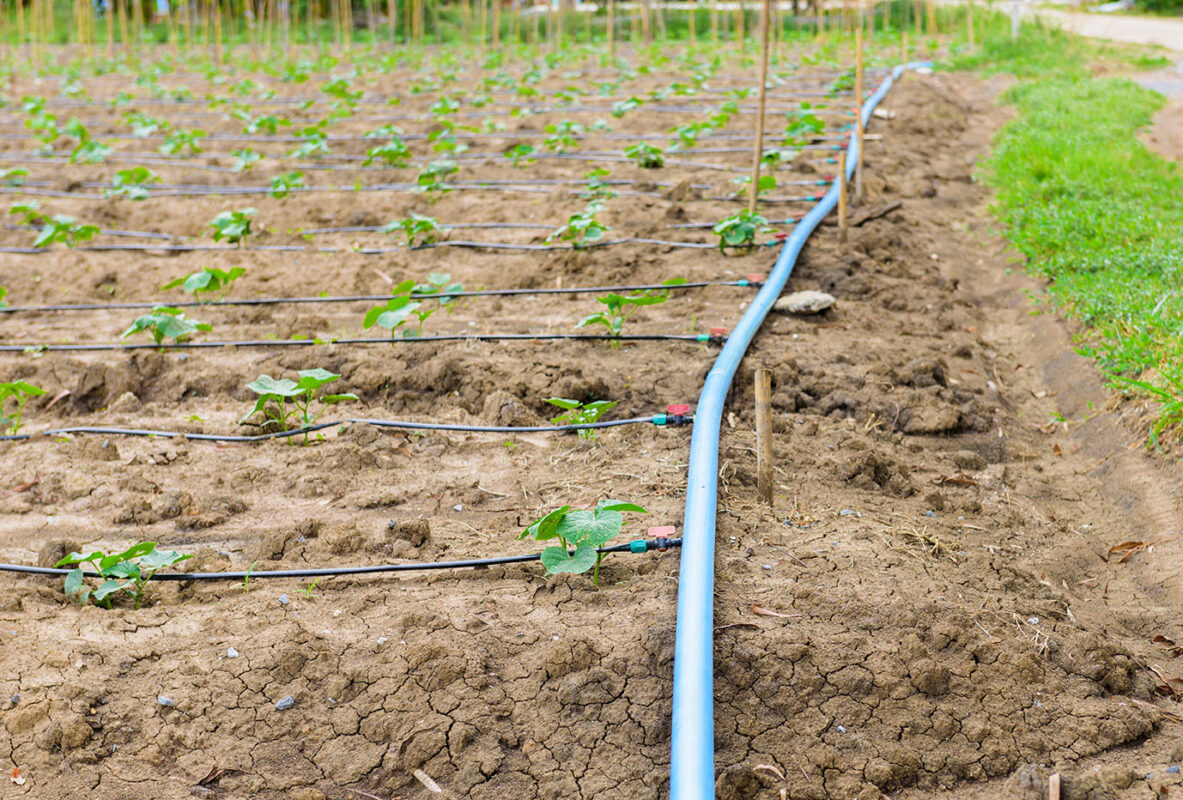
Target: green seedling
column 843, row 83
column 3, row 294
column 180, row 141
column 90, row 152
column 340, row 89
column 432, row 177
column 687, row 135
column 618, row 308
column 143, row 125
column 562, row 136
column 764, row 185
column 233, row 226
column 132, row 183
column 443, row 140
column 314, row 144
column 275, row 395
column 268, row 124
column 597, row 189
column 580, row 530
column 128, row 572
column 802, row 125
column 583, row 228
column 58, row 228
column 245, row 159
column 646, row 155
column 14, row 176
column 282, row 185
column 520, row 154
column 444, row 107
column 394, row 153
column 310, row 588
column 19, row 393
column 166, row 322
column 417, row 229
column 246, row 579
column 75, row 130
column 622, row 107
column 578, row 413
column 208, row 280
column 740, row 230
column 408, row 301
column 777, row 156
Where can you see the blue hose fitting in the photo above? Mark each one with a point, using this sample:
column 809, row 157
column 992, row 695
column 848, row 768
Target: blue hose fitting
column 638, row 546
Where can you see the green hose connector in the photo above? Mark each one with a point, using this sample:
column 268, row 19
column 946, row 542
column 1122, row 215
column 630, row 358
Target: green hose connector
column 638, row 546
column 660, row 419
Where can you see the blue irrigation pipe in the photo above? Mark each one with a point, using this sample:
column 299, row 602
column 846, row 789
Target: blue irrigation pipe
column 692, row 735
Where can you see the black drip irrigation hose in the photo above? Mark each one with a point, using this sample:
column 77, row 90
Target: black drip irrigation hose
column 372, row 251
column 704, row 338
column 752, row 282
column 659, row 420
column 636, row 546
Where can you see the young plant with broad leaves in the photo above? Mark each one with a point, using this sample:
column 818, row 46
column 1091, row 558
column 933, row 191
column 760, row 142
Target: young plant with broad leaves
column 127, row 572
column 132, row 183
column 182, row 142
column 577, row 413
column 282, row 185
column 432, row 179
column 207, row 281
column 288, row 405
column 59, row 228
column 394, row 154
column 233, row 226
column 520, row 154
column 245, row 159
column 418, row 230
column 418, row 300
column 13, row 397
column 619, row 307
column 802, row 125
column 583, row 228
column 740, row 230
column 580, row 534
column 646, row 155
column 166, row 322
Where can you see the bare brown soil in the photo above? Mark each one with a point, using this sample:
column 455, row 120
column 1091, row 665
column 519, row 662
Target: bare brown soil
column 927, row 612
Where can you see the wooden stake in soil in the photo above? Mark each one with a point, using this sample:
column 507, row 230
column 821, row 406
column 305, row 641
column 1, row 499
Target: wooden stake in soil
column 610, row 32
column 842, row 197
column 764, row 456
column 1053, row 786
column 859, row 194
column 904, row 47
column 858, row 114
column 758, row 150
column 969, row 20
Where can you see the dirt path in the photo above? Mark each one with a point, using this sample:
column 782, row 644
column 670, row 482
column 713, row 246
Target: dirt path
column 1119, row 28
column 1166, row 136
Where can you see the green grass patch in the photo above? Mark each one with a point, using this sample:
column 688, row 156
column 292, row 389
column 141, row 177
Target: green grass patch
column 1096, row 212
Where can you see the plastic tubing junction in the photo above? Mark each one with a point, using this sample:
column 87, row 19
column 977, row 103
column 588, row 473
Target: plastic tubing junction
column 692, row 736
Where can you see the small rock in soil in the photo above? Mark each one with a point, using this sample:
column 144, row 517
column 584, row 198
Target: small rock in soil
column 231, row 652
column 807, row 302
column 286, row 702
column 167, row 702
column 283, row 599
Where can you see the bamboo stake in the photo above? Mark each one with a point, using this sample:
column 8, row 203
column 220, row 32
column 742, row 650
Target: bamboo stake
column 714, row 22
column 137, row 17
column 693, row 23
column 217, row 29
column 496, row 24
column 740, row 33
column 859, row 189
column 904, row 47
column 20, row 24
column 121, row 12
column 758, row 150
column 932, row 18
column 611, row 29
column 645, row 21
column 764, row 451
column 969, row 20
column 842, row 196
